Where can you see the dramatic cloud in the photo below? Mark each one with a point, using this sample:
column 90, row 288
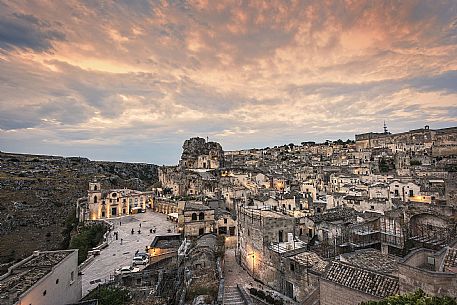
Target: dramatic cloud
column 132, row 80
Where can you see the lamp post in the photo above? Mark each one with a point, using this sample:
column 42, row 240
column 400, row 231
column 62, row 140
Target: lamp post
column 252, row 254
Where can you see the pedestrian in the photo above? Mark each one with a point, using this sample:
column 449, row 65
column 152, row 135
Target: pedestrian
column 150, row 230
column 140, row 224
column 121, row 241
column 139, row 231
column 120, row 223
column 132, row 231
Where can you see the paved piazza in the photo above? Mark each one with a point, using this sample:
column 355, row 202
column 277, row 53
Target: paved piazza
column 117, row 254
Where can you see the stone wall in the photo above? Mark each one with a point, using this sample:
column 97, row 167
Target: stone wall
column 335, row 294
column 414, row 275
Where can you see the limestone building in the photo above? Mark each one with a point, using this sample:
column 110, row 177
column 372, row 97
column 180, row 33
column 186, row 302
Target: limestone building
column 200, row 154
column 195, row 219
column 44, row 278
column 115, row 202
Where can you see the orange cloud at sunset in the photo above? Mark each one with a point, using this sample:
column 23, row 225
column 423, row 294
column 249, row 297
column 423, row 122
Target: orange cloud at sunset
column 244, row 73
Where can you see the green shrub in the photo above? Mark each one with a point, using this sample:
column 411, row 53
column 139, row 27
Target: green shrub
column 109, row 295
column 87, row 238
column 418, row 297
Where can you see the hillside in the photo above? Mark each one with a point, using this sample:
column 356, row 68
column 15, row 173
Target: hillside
column 37, row 193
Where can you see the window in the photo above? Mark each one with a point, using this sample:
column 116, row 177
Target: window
column 72, row 277
column 411, row 193
column 194, row 216
column 201, row 216
column 95, row 199
column 225, row 220
column 292, row 267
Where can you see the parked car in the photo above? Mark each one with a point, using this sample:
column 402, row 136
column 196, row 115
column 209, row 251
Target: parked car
column 126, row 270
column 140, row 260
column 142, row 254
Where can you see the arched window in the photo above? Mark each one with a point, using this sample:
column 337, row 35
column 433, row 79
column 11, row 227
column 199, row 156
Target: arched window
column 95, row 187
column 194, row 216
column 201, row 216
column 95, row 199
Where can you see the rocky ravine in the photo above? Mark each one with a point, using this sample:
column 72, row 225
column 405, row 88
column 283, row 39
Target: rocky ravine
column 37, row 193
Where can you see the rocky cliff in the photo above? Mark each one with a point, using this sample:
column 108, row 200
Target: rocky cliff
column 39, row 192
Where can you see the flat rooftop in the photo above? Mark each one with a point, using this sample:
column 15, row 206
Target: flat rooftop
column 167, row 241
column 263, row 213
column 29, row 271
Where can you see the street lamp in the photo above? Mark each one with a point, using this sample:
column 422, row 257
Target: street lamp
column 252, row 254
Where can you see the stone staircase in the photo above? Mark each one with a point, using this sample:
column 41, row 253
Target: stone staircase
column 232, row 296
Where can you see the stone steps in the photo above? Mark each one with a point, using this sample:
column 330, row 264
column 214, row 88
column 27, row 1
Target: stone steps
column 232, row 296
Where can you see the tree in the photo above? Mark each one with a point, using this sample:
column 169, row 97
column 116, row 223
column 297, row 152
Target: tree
column 418, row 297
column 107, row 295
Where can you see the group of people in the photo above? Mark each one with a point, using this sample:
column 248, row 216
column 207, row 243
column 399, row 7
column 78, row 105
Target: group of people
column 139, row 230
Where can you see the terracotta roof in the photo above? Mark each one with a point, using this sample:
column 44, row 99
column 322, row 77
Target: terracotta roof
column 450, row 260
column 363, row 280
column 371, row 259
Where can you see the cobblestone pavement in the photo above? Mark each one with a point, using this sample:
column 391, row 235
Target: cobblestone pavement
column 234, row 273
column 117, row 254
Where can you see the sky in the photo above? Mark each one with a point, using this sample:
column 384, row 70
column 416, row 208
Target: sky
column 131, row 80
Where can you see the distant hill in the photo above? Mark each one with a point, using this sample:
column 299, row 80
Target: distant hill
column 37, row 193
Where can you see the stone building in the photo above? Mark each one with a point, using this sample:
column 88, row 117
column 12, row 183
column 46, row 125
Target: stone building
column 259, row 229
column 164, row 247
column 430, row 271
column 44, row 278
column 199, row 154
column 116, row 202
column 403, row 190
column 185, row 182
column 165, row 206
column 345, row 284
column 393, row 232
column 195, row 219
column 225, row 224
column 294, row 271
column 202, row 265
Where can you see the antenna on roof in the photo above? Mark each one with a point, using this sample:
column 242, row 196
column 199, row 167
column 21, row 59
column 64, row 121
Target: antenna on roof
column 385, row 128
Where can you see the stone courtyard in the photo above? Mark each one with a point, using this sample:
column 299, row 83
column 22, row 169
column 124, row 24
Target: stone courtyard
column 118, row 253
